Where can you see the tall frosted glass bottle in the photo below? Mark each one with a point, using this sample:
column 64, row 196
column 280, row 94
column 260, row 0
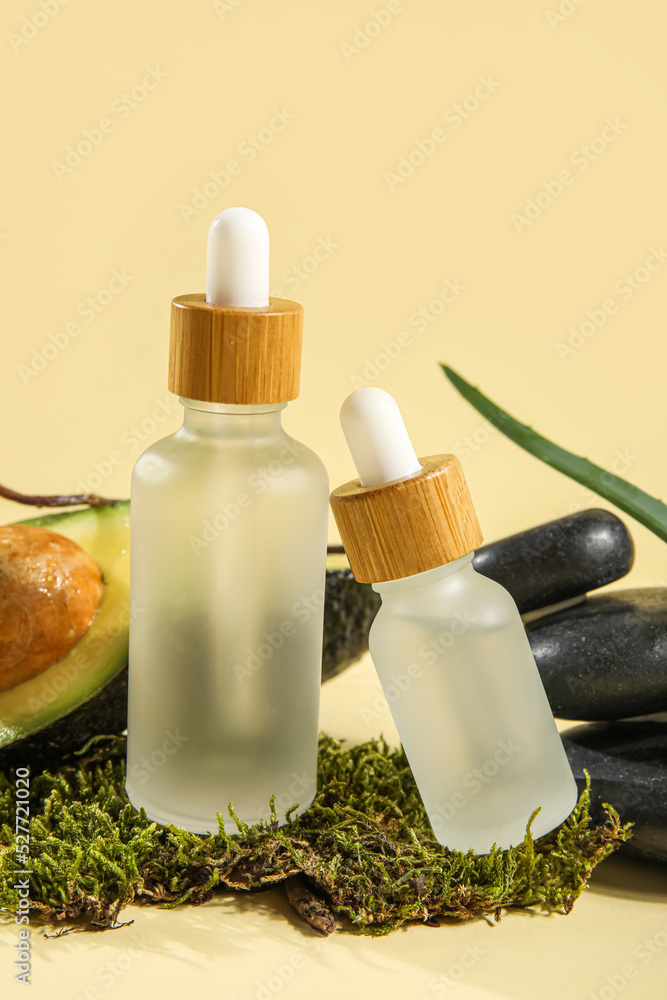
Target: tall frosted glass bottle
column 448, row 644
column 229, row 525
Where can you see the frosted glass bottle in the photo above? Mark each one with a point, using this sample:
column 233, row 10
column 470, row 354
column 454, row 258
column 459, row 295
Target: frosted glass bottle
column 229, row 524
column 467, row 699
column 448, row 644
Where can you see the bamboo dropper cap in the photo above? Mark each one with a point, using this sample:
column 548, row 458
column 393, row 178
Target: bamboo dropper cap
column 234, row 344
column 222, row 354
column 394, row 526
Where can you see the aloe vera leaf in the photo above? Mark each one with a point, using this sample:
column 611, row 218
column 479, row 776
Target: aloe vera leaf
column 649, row 511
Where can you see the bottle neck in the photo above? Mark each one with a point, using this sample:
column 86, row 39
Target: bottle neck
column 231, row 421
column 418, row 581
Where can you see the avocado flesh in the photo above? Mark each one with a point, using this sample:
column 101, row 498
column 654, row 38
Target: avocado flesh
column 85, row 692
column 45, row 719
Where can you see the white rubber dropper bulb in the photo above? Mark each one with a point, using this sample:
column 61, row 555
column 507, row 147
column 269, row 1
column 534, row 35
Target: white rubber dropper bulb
column 377, row 438
column 237, row 260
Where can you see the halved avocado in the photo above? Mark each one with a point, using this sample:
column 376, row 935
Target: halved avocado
column 45, row 719
column 84, row 693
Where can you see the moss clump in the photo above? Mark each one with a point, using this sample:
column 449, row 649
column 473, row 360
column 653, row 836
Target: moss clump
column 363, row 854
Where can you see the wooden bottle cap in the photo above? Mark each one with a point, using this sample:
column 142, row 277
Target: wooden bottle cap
column 407, row 526
column 222, row 354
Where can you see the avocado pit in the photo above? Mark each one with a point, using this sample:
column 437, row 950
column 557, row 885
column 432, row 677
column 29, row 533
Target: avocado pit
column 50, row 590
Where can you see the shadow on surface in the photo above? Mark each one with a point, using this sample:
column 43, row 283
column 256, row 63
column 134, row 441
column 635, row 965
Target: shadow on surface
column 631, row 878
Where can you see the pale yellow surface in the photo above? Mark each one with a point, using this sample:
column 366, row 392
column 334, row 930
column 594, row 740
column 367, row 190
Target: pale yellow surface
column 83, row 392
column 242, row 948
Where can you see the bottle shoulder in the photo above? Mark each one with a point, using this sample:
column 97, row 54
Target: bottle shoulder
column 256, row 462
column 305, row 456
column 465, row 592
column 160, row 448
column 159, row 451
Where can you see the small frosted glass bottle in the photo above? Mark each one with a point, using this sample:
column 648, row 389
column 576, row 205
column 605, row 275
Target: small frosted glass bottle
column 448, row 644
column 229, row 526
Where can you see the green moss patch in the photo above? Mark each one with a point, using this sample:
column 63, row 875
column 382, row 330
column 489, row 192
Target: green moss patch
column 363, row 856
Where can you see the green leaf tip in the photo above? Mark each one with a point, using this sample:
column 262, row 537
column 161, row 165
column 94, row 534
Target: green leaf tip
column 646, row 509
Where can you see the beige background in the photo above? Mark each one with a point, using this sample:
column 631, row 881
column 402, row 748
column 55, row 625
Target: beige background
column 353, row 100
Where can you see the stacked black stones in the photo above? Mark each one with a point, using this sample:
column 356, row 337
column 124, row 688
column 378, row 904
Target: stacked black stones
column 601, row 658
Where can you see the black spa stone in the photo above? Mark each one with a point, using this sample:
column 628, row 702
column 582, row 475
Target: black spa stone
column 627, row 764
column 559, row 560
column 605, row 658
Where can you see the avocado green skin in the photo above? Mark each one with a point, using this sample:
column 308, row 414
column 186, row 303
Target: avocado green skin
column 349, row 610
column 54, row 744
column 102, row 710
